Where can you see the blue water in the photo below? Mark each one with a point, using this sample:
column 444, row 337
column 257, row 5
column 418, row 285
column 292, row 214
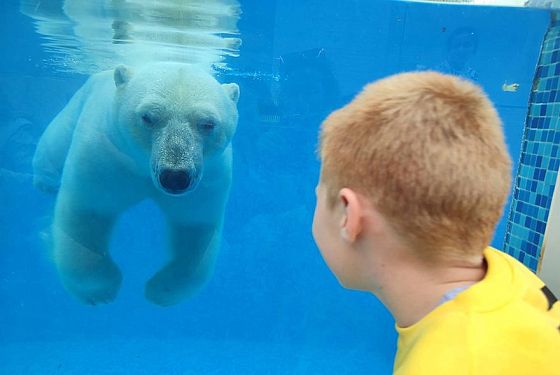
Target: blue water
column 272, row 306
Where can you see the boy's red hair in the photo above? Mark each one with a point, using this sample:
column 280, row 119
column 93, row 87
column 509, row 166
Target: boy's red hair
column 427, row 150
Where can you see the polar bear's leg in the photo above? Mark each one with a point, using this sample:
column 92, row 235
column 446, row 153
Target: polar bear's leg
column 81, row 240
column 54, row 144
column 193, row 255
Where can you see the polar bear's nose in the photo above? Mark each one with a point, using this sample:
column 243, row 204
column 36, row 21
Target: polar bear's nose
column 174, row 181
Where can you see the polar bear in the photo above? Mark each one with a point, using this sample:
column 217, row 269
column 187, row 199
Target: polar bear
column 161, row 131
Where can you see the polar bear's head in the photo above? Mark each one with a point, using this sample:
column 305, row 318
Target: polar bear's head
column 176, row 118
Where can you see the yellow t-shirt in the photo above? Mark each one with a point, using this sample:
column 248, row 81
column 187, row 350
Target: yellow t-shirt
column 508, row 323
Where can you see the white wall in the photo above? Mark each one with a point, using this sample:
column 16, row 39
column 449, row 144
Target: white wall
column 550, row 263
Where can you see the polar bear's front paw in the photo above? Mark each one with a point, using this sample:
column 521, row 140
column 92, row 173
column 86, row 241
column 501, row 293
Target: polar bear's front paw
column 96, row 285
column 172, row 284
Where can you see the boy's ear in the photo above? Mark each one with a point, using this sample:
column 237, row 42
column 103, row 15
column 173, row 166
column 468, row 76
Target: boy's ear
column 352, row 221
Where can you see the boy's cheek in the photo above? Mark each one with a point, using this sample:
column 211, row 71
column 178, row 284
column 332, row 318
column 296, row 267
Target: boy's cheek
column 314, row 227
column 318, row 231
column 320, row 236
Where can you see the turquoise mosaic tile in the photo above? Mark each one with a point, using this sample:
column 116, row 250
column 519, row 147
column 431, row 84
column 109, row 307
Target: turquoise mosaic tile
column 540, row 157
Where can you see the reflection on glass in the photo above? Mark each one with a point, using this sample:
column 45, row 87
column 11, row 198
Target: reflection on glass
column 89, row 36
column 460, row 48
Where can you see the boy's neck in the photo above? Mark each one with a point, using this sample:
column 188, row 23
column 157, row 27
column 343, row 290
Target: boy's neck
column 412, row 289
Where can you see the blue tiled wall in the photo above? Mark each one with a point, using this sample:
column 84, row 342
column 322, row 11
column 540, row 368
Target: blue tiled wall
column 540, row 157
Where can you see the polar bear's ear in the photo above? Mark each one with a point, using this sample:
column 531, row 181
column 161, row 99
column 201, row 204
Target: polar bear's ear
column 122, row 75
column 232, row 90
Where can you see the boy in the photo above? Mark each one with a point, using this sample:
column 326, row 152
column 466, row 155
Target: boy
column 414, row 177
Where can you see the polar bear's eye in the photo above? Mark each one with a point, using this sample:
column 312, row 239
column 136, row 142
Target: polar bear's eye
column 146, row 118
column 207, row 125
column 149, row 119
